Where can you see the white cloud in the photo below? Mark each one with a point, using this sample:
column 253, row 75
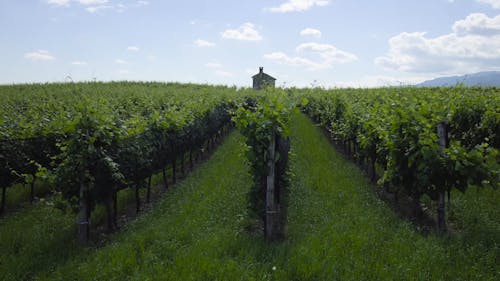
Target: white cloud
column 380, row 81
column 283, row 58
column 120, row 61
column 495, row 4
column 59, row 3
column 133, row 49
column 40, row 55
column 311, row 32
column 473, row 45
column 298, row 5
column 95, row 9
column 246, row 32
column 222, row 73
column 203, row 43
column 79, row 63
column 93, row 2
column 66, row 3
column 213, row 65
column 329, row 55
column 93, row 6
column 478, row 23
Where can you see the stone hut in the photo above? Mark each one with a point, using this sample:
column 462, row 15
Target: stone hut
column 262, row 80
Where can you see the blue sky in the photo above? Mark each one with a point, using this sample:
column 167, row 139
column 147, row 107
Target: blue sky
column 330, row 43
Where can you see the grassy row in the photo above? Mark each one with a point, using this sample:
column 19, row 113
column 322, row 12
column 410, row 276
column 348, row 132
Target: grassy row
column 337, row 229
column 39, row 236
column 196, row 232
column 340, row 230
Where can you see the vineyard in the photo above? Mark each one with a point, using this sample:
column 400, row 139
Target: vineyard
column 302, row 167
column 397, row 132
column 94, row 140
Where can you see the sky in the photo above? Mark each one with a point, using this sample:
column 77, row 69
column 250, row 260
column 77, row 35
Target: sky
column 302, row 43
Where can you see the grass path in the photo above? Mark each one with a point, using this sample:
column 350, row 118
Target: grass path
column 195, row 233
column 340, row 230
column 337, row 229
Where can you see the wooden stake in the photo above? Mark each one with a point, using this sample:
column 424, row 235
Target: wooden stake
column 32, row 190
column 442, row 130
column 148, row 195
column 182, row 165
column 115, row 208
column 83, row 218
column 137, row 199
column 271, row 214
column 191, row 159
column 174, row 176
column 165, row 181
column 2, row 208
column 108, row 204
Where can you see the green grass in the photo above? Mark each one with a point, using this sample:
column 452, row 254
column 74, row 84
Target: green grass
column 39, row 236
column 337, row 229
column 476, row 217
column 18, row 195
column 340, row 230
column 35, row 239
column 195, row 233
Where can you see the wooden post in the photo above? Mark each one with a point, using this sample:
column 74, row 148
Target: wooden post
column 115, row 208
column 174, row 172
column 191, row 159
column 108, row 204
column 165, row 180
column 32, row 190
column 372, row 170
column 182, row 164
column 442, row 131
column 2, row 208
column 148, row 195
column 353, row 150
column 83, row 218
column 449, row 201
column 270, row 204
column 89, row 205
column 137, row 199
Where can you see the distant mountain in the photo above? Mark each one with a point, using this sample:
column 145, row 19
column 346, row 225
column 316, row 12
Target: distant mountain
column 487, row 78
